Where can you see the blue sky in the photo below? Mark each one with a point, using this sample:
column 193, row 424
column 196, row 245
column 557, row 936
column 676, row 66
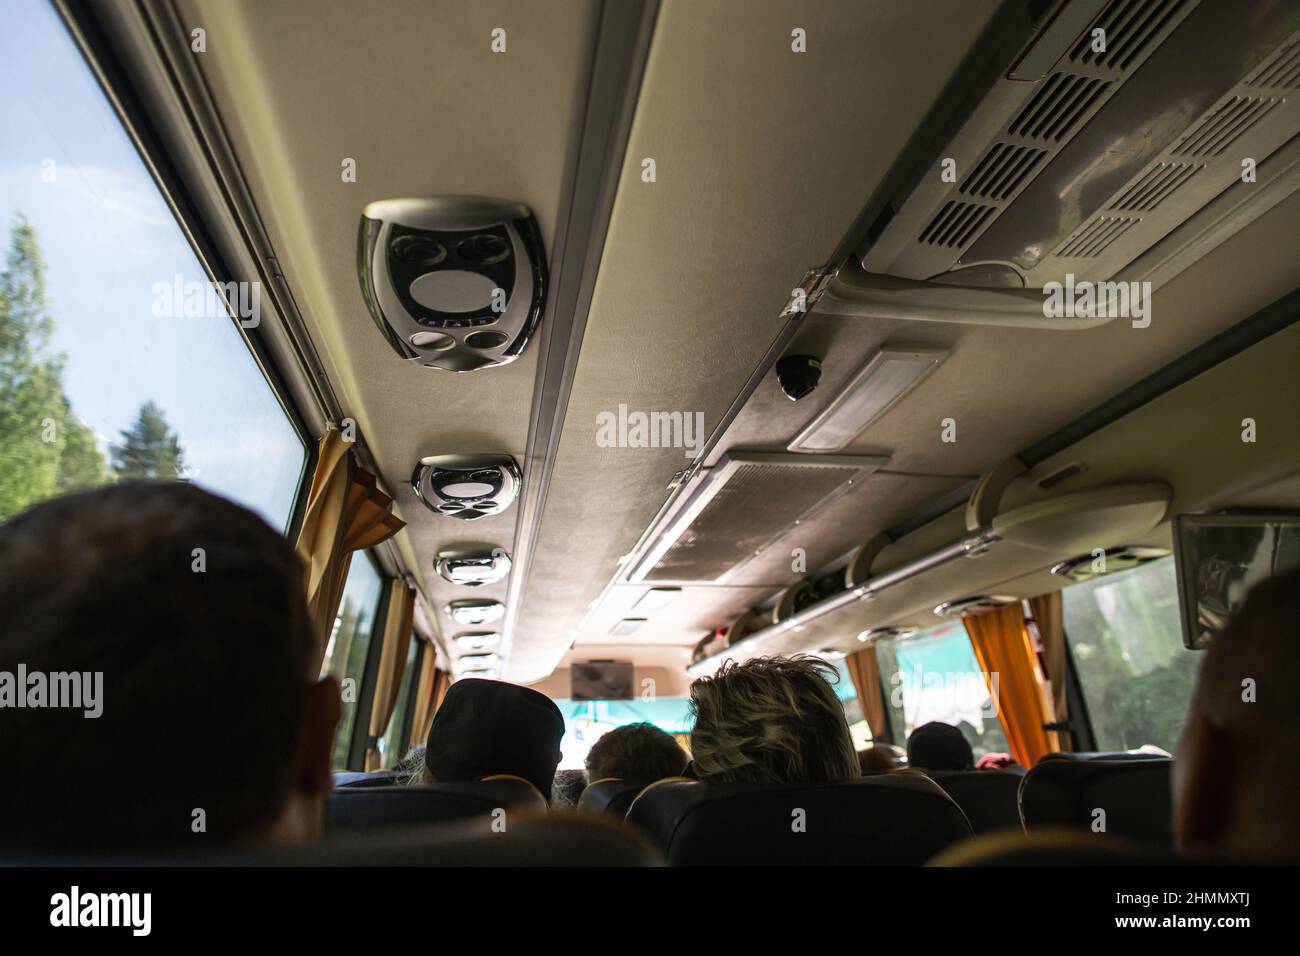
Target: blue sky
column 108, row 238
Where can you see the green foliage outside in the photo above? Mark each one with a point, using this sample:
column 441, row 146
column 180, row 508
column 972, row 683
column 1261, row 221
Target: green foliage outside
column 45, row 450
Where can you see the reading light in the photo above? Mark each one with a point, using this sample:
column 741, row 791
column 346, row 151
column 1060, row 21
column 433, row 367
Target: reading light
column 888, row 375
column 876, row 633
column 476, row 613
column 628, row 625
column 477, row 640
column 477, row 663
column 831, row 654
column 656, row 599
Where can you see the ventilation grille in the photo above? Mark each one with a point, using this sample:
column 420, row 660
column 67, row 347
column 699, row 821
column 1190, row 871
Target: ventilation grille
column 1155, row 186
column 1224, row 125
column 1002, row 171
column 1058, row 107
column 748, row 501
column 956, row 224
column 1282, row 72
column 1095, row 237
column 1131, row 28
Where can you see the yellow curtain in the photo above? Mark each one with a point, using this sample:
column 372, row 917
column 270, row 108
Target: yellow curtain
column 438, row 690
column 346, row 512
column 1048, row 616
column 392, row 665
column 424, row 691
column 864, row 669
column 1005, row 653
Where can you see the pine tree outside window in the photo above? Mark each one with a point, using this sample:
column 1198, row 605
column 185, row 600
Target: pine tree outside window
column 106, row 373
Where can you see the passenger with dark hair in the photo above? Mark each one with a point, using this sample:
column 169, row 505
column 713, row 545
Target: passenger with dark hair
column 173, row 625
column 1235, row 781
column 637, row 753
column 876, row 759
column 489, row 727
column 771, row 720
column 939, row 746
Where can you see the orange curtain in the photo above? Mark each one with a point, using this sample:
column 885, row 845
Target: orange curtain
column 1050, row 621
column 346, row 512
column 864, row 669
column 392, row 665
column 1005, row 653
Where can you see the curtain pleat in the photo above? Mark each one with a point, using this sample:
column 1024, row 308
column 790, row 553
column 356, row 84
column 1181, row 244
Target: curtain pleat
column 1050, row 619
column 1006, row 654
column 392, row 665
column 424, row 691
column 864, row 669
column 345, row 512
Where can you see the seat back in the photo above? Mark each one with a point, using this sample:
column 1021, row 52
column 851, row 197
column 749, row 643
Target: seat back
column 611, row 796
column 565, row 838
column 989, row 798
column 347, row 778
column 888, row 820
column 1131, row 799
column 432, row 803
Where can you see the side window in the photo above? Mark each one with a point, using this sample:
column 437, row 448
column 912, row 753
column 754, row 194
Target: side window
column 1126, row 640
column 848, row 695
column 349, row 645
column 117, row 358
column 934, row 676
column 391, row 744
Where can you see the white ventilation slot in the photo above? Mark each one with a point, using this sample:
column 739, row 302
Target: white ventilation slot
column 1282, row 72
column 1233, row 118
column 1058, row 107
column 1155, row 186
column 956, row 224
column 1094, row 238
column 1132, row 27
column 1003, row 170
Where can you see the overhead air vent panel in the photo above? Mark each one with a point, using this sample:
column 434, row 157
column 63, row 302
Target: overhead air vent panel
column 741, row 506
column 1136, row 124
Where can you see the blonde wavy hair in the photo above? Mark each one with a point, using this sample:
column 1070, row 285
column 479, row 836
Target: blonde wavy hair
column 771, row 720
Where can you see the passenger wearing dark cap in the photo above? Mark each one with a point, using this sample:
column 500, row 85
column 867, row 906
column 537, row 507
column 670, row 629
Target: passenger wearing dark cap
column 486, row 727
column 939, row 746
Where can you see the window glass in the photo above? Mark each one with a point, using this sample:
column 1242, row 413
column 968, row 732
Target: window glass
column 117, row 360
column 1126, row 639
column 934, row 676
column 349, row 643
column 848, row 695
column 391, row 744
column 586, row 721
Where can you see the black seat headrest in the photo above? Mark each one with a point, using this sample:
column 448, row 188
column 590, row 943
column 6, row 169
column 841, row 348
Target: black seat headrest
column 889, row 820
column 611, row 795
column 1134, row 797
column 989, row 798
column 428, row 803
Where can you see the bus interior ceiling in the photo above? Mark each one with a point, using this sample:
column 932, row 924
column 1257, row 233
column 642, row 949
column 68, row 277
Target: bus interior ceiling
column 754, row 184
